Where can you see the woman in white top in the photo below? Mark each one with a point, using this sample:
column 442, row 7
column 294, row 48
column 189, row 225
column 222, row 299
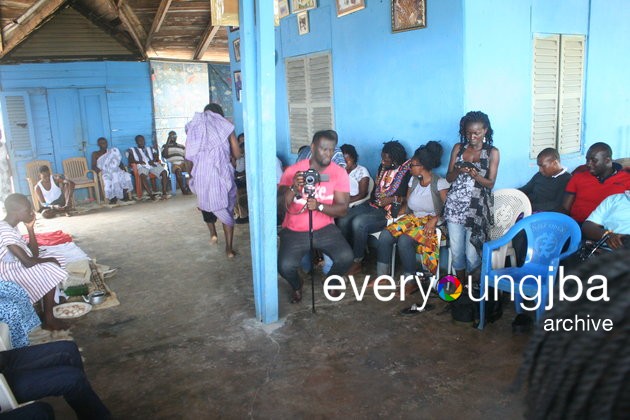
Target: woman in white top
column 359, row 175
column 415, row 231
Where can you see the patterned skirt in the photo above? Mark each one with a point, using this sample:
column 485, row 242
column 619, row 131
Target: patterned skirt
column 428, row 247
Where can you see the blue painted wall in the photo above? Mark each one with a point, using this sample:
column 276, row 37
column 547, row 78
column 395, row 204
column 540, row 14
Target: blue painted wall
column 237, row 118
column 474, row 55
column 405, row 86
column 126, row 84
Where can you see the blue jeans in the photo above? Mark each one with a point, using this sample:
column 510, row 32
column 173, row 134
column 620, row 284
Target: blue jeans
column 294, row 245
column 52, row 369
column 307, row 265
column 464, row 255
column 357, row 225
column 406, row 251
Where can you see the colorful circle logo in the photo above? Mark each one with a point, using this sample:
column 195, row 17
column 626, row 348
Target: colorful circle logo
column 449, row 288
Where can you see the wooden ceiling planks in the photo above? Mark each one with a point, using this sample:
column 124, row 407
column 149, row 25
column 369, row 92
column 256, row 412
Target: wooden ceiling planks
column 164, row 29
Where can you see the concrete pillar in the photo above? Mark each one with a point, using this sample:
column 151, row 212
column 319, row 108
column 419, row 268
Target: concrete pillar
column 259, row 121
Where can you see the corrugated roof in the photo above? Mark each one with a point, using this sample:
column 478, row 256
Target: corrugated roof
column 69, row 35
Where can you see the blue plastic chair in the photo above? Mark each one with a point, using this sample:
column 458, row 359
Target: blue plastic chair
column 547, row 233
column 174, row 178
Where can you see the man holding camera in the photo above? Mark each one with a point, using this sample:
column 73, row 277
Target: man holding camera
column 322, row 187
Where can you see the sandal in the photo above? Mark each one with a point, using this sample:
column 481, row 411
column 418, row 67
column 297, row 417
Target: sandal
column 415, row 309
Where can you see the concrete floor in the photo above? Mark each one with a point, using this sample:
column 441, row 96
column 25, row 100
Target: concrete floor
column 184, row 343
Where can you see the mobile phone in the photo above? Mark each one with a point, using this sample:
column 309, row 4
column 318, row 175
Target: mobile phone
column 465, row 164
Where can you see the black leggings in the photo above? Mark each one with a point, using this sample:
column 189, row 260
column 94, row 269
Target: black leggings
column 208, row 216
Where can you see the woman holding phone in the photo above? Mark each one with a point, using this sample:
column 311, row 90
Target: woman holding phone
column 472, row 172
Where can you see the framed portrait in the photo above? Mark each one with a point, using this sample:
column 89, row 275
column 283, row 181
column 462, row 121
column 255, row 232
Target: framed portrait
column 283, row 8
column 302, row 5
column 408, row 15
column 238, row 85
column 302, row 20
column 345, row 7
column 234, row 28
column 237, row 49
column 224, row 12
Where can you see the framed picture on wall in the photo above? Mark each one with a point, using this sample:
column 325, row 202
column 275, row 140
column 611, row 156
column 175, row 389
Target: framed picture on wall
column 302, row 5
column 302, row 20
column 345, row 7
column 408, row 15
column 236, row 44
column 283, row 8
column 234, row 28
column 238, row 85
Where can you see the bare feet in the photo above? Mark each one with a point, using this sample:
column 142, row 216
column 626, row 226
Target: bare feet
column 214, row 240
column 230, row 253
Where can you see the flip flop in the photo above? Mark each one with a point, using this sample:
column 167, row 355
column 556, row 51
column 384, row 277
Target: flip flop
column 415, row 309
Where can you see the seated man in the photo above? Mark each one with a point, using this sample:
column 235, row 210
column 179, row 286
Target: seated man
column 147, row 162
column 305, row 153
column 52, row 369
column 175, row 153
column 54, row 192
column 329, row 199
column 22, row 263
column 545, row 189
column 117, row 180
column 612, row 218
column 586, row 190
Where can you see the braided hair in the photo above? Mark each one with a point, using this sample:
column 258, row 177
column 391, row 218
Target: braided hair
column 475, row 117
column 583, row 374
column 429, row 155
column 396, row 151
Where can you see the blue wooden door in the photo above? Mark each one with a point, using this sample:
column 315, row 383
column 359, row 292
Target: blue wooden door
column 78, row 117
column 94, row 118
column 65, row 125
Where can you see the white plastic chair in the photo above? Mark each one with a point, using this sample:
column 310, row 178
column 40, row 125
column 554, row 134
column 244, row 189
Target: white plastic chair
column 7, row 399
column 509, row 204
column 367, row 197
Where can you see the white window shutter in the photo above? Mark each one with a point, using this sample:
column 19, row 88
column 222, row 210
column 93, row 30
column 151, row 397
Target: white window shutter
column 570, row 95
column 545, row 87
column 19, row 131
column 309, row 92
column 298, row 102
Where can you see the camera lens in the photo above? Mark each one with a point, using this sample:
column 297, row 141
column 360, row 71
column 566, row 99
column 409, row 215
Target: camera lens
column 309, row 179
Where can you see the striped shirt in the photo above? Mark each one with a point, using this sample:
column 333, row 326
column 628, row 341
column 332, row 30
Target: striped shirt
column 36, row 280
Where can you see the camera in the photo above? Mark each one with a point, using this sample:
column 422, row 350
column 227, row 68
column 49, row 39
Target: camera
column 312, row 178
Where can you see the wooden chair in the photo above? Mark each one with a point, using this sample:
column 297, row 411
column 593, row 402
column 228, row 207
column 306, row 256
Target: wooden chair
column 76, row 170
column 32, row 177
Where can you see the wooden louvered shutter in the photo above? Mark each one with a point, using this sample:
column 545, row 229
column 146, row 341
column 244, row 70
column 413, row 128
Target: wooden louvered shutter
column 310, row 94
column 570, row 95
column 320, row 92
column 19, row 133
column 545, row 84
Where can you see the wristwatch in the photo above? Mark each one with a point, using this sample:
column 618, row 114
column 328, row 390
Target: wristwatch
column 320, row 207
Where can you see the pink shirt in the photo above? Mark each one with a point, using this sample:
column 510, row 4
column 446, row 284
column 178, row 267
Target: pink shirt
column 324, row 193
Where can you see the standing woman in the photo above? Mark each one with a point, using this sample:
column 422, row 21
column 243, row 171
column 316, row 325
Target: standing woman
column 209, row 145
column 472, row 172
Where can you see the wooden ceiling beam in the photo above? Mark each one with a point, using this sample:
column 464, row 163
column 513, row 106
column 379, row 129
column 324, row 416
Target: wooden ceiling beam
column 34, row 17
column 157, row 21
column 205, row 41
column 132, row 24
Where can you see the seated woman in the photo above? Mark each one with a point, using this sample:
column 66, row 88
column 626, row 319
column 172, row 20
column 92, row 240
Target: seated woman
column 472, row 171
column 359, row 175
column 415, row 232
column 389, row 193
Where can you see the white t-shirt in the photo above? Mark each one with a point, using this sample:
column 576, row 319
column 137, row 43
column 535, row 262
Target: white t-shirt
column 357, row 175
column 420, row 201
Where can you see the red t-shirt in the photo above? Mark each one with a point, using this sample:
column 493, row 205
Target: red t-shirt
column 590, row 192
column 324, row 193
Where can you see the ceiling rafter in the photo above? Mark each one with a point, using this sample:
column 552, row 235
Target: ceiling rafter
column 35, row 16
column 157, row 21
column 205, row 41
